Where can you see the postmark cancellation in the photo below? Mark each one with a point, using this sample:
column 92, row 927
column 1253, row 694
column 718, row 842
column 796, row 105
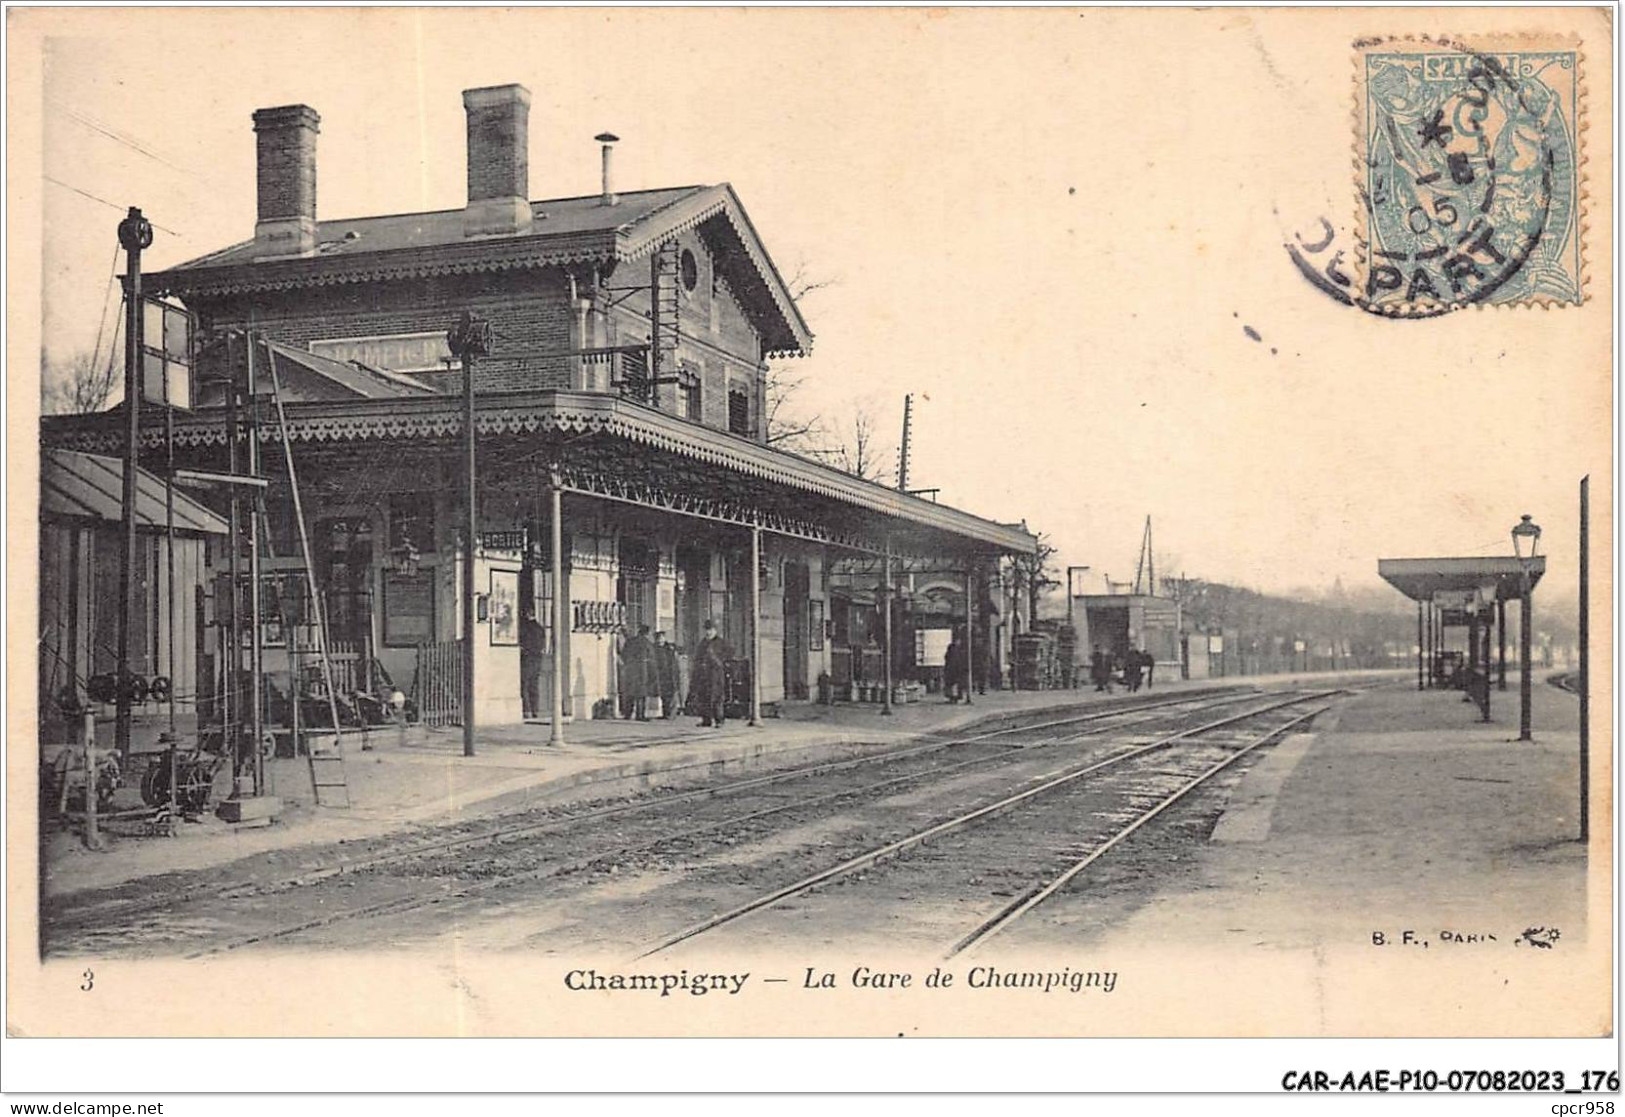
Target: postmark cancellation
column 1470, row 172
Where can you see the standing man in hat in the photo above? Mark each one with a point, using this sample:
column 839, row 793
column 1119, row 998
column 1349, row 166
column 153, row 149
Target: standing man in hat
column 532, row 650
column 666, row 675
column 637, row 675
column 709, row 686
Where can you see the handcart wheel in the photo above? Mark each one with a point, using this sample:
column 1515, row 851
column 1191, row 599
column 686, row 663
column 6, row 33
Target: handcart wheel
column 137, row 687
column 195, row 786
column 155, row 783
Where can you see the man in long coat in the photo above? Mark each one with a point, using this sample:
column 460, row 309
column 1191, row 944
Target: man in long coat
column 666, row 675
column 953, row 668
column 708, row 688
column 532, row 644
column 637, row 675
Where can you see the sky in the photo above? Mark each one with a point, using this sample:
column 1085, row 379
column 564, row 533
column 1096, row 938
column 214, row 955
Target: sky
column 1060, row 231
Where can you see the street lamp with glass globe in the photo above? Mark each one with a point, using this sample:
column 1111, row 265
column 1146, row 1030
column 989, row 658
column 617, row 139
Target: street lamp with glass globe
column 1525, row 544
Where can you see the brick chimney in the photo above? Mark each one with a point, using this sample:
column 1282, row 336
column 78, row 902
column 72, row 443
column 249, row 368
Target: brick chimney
column 498, row 161
column 285, row 139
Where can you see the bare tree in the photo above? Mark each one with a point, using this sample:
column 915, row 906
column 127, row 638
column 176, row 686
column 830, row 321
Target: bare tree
column 852, row 444
column 1033, row 574
column 788, row 427
column 76, row 384
column 856, row 447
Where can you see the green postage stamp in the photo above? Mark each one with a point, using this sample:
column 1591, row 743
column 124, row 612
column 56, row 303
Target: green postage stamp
column 1470, row 166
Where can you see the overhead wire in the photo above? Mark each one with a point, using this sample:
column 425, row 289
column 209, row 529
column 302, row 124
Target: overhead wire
column 101, row 323
column 116, row 136
column 105, row 202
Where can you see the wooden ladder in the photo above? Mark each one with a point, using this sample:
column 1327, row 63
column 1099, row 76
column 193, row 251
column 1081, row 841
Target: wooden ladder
column 327, row 772
column 326, row 757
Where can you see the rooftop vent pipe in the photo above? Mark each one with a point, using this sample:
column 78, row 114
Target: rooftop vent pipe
column 609, row 140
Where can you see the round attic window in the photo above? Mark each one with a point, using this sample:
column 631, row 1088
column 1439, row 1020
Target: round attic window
column 689, row 269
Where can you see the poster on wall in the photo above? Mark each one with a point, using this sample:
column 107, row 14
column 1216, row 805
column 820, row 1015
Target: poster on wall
column 504, row 608
column 408, row 609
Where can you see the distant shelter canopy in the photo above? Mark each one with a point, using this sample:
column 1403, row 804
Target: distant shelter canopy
column 1495, row 579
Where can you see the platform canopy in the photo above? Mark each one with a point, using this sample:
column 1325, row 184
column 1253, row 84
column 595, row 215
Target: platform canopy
column 1423, row 579
column 91, row 487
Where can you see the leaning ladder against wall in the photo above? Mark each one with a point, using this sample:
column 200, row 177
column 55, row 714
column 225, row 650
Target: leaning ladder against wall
column 326, row 761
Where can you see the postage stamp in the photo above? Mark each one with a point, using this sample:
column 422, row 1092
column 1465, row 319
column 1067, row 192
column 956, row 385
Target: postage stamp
column 1471, row 189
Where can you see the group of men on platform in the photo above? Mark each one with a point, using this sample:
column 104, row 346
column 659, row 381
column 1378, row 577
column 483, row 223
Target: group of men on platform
column 649, row 668
column 1134, row 667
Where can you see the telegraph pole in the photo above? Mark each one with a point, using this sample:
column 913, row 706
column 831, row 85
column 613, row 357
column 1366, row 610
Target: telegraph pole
column 469, row 339
column 1585, row 657
column 902, row 453
column 134, row 234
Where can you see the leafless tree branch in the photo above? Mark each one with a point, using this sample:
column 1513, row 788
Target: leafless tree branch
column 76, row 384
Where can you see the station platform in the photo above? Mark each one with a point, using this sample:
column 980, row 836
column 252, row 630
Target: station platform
column 1401, row 814
column 419, row 780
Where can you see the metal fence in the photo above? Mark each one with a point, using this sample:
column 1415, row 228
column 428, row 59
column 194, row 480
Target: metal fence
column 437, row 686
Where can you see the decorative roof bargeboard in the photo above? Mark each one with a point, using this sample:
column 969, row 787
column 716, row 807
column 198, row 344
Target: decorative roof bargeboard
column 536, row 412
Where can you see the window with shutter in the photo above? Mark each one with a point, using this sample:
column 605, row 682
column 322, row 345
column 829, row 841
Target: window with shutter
column 635, row 376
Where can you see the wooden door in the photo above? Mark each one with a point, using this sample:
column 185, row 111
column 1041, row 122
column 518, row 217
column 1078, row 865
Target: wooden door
column 796, row 588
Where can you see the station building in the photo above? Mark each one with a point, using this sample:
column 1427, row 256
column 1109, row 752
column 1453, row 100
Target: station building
column 623, row 392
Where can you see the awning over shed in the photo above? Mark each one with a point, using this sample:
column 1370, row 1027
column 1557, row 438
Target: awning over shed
column 1423, row 579
column 91, row 486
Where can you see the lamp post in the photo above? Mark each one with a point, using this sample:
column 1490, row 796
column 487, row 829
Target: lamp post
column 469, row 340
column 1525, row 543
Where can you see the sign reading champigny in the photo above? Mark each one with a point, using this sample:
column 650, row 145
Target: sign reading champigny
column 426, row 352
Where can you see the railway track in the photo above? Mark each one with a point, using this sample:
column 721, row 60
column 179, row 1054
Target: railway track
column 457, row 874
column 918, row 760
column 70, row 914
column 1218, row 749
column 1104, row 843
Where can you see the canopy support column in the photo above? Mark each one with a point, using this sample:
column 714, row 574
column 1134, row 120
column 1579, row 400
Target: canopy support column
column 886, row 604
column 561, row 606
column 1421, row 637
column 1501, row 661
column 755, row 624
column 1427, row 643
column 970, row 633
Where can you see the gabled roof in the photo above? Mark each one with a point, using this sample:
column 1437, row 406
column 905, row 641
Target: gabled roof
column 91, row 486
column 550, row 220
column 563, row 231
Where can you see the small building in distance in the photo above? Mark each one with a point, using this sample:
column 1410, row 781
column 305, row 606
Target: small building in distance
column 1116, row 622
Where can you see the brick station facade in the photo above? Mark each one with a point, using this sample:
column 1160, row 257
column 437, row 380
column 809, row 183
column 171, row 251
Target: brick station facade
column 630, row 335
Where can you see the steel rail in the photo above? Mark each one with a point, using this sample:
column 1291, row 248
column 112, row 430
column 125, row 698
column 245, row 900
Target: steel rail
column 1021, row 906
column 402, row 904
column 892, row 849
column 74, row 917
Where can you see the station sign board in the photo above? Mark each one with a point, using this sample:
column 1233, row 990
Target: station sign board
column 417, row 352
